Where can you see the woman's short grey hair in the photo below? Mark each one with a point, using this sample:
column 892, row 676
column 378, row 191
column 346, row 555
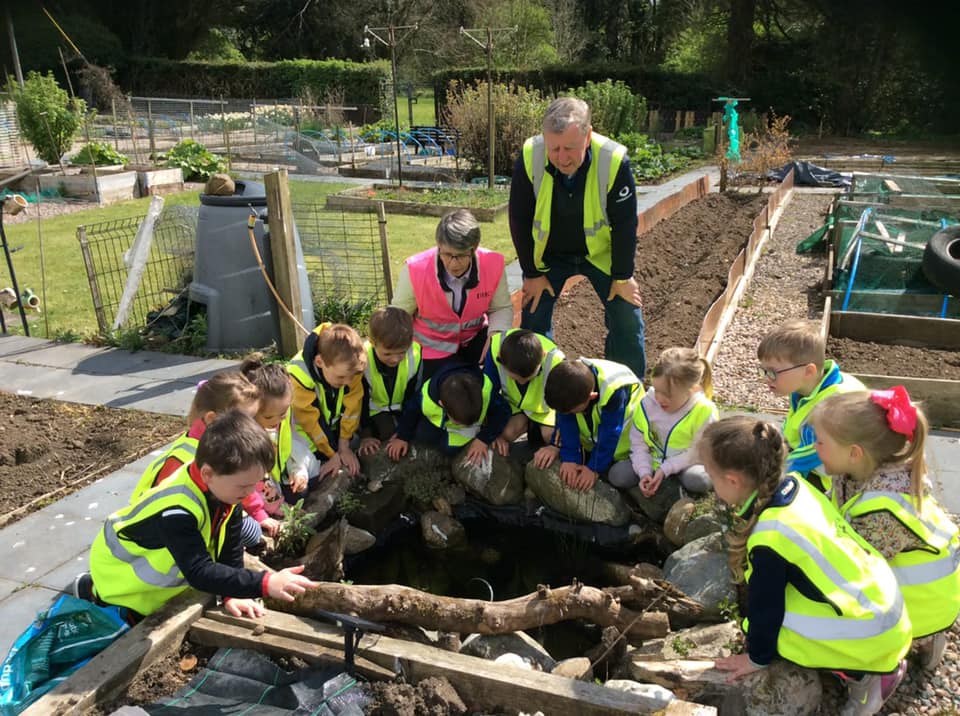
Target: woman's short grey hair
column 563, row 112
column 459, row 230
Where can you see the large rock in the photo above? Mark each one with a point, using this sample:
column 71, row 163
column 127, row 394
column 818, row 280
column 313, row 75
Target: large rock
column 700, row 570
column 657, row 506
column 712, row 641
column 602, row 503
column 323, row 497
column 442, row 531
column 655, row 697
column 702, row 526
column 497, row 480
column 378, row 509
column 782, row 689
column 578, row 668
column 493, row 646
column 677, row 519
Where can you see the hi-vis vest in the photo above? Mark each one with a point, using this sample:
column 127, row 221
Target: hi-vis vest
column 606, row 156
column 457, row 435
column 184, row 449
column 142, row 579
column 329, row 414
column 864, row 626
column 610, row 378
column 929, row 577
column 681, row 435
column 437, row 327
column 531, row 402
column 283, row 448
column 408, row 369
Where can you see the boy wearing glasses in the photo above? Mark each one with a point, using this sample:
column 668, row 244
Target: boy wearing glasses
column 793, row 363
column 456, row 293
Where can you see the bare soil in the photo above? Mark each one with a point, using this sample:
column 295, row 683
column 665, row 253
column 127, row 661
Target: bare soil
column 50, row 448
column 681, row 266
column 880, row 359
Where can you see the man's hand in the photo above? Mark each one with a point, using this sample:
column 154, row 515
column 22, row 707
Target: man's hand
column 737, row 666
column 533, row 288
column 397, row 448
column 545, row 456
column 477, row 452
column 649, row 484
column 628, row 290
column 568, row 473
column 244, row 608
column 368, row 446
column 586, row 478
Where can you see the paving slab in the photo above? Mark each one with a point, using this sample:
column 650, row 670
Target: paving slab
column 19, row 609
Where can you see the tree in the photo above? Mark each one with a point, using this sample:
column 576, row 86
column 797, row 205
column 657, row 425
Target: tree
column 49, row 118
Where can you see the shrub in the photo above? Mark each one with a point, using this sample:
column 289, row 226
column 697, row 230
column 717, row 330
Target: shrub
column 614, row 108
column 100, row 154
column 49, row 118
column 295, row 530
column 341, row 309
column 518, row 114
column 196, row 161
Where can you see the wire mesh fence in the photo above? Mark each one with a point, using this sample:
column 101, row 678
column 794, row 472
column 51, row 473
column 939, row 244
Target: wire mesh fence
column 106, row 251
column 11, row 146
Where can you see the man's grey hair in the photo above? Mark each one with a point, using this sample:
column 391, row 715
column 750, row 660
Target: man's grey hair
column 459, row 230
column 563, row 112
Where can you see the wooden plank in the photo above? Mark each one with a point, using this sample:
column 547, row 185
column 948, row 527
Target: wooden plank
column 940, row 399
column 208, row 632
column 284, row 252
column 481, row 683
column 918, row 331
column 112, row 670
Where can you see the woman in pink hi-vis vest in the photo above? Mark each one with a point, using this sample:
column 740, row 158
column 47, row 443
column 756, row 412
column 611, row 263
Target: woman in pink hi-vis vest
column 457, row 294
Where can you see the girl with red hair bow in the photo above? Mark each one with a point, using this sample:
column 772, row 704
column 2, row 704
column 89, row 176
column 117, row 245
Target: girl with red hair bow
column 875, row 442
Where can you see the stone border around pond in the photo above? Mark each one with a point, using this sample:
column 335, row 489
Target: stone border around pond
column 357, row 199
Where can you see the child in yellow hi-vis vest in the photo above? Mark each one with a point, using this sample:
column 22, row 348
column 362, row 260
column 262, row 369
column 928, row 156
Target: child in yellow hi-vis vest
column 873, row 444
column 817, row 594
column 327, row 380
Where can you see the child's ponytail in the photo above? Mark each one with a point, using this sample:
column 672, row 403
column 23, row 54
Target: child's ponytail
column 684, row 368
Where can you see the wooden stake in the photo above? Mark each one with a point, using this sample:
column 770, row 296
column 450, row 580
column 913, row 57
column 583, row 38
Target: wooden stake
column 284, row 252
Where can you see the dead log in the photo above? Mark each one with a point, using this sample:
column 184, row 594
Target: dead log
column 395, row 603
column 643, row 592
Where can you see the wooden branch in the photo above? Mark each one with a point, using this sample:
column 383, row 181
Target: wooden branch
column 642, row 592
column 395, row 603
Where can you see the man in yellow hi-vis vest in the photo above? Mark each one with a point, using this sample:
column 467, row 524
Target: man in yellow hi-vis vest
column 573, row 211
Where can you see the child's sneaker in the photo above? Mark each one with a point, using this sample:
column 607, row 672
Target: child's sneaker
column 930, row 650
column 83, row 587
column 867, row 695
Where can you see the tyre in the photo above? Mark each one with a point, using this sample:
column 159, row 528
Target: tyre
column 941, row 260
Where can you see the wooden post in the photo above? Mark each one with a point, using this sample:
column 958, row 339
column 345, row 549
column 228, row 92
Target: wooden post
column 226, row 132
column 153, row 145
column 192, row 121
column 678, row 121
column 284, row 252
column 385, row 250
column 116, row 132
column 253, row 112
column 689, row 119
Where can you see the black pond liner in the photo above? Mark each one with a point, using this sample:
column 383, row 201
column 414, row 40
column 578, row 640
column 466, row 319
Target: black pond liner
column 237, row 681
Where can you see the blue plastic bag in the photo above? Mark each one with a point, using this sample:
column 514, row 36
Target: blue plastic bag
column 60, row 641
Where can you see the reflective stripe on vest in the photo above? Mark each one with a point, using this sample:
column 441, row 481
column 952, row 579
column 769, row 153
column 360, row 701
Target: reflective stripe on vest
column 283, row 448
column 610, row 378
column 457, row 435
column 407, row 370
column 929, row 578
column 681, row 435
column 531, row 402
column 184, row 449
column 606, row 156
column 436, row 326
column 863, row 624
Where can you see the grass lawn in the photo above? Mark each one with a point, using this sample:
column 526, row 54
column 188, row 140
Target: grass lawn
column 68, row 306
column 423, row 109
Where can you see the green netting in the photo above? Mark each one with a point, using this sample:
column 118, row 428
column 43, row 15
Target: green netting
column 878, row 260
column 896, row 189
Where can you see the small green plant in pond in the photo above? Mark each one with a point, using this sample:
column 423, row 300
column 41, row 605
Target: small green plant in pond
column 348, row 502
column 295, row 530
column 729, row 610
column 196, row 161
column 683, row 646
column 99, row 154
column 469, row 198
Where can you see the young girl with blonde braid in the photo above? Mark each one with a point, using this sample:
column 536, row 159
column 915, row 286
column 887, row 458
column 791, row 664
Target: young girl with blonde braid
column 818, row 595
column 875, row 441
column 665, row 428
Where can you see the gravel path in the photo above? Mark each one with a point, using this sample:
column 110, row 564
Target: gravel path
column 785, row 285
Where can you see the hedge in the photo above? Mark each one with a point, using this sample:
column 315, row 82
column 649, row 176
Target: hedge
column 158, row 77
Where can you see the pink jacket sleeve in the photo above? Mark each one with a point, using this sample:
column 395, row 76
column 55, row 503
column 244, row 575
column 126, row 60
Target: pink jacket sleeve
column 253, row 506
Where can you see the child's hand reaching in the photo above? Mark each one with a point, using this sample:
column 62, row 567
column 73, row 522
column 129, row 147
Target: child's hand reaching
column 244, row 607
column 349, row 460
column 568, row 473
column 298, row 483
column 502, row 447
column 397, row 448
column 649, row 484
column 270, row 526
column 287, row 584
column 545, row 456
column 476, row 452
column 737, row 666
column 368, row 446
